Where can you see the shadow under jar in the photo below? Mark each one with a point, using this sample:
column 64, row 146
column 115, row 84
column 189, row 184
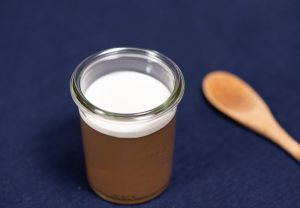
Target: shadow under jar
column 129, row 141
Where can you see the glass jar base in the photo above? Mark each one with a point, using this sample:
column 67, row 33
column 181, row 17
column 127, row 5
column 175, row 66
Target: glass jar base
column 130, row 201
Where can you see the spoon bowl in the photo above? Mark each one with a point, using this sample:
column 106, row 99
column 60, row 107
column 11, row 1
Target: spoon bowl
column 229, row 91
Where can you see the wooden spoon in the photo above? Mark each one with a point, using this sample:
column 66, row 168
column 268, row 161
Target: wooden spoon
column 238, row 100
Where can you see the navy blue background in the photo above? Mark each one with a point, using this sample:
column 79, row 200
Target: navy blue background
column 217, row 162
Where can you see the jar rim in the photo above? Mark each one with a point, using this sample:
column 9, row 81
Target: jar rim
column 84, row 104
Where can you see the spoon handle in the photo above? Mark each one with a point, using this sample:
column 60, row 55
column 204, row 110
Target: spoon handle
column 280, row 137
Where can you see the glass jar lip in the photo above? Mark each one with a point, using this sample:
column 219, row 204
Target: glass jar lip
column 83, row 103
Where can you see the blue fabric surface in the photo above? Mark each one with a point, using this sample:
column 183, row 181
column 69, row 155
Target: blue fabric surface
column 217, row 162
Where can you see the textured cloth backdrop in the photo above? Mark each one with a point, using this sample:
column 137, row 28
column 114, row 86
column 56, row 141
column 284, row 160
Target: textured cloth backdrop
column 217, row 163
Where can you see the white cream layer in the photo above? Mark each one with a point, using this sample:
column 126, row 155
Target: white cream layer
column 127, row 92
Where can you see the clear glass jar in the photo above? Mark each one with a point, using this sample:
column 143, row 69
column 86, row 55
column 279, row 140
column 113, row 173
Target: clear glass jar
column 128, row 156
